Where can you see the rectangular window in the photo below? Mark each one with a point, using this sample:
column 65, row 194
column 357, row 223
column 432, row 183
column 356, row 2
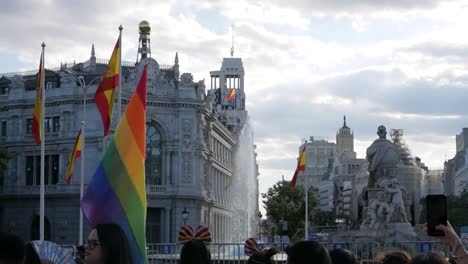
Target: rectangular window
column 47, row 124
column 29, row 126
column 33, row 169
column 4, row 129
column 4, row 90
column 56, row 124
column 50, row 85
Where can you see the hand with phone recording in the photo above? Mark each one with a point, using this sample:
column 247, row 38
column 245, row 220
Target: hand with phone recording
column 451, row 238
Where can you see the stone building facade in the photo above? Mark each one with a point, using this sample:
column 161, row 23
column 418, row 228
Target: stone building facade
column 455, row 175
column 193, row 141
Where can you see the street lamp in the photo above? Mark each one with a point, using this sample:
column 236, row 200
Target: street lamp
column 185, row 215
column 81, row 81
column 259, row 215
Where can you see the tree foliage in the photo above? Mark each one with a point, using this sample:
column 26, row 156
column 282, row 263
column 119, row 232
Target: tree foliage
column 283, row 203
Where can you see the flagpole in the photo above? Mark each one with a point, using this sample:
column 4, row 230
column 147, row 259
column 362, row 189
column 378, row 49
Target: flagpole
column 83, row 138
column 120, row 73
column 42, row 187
column 306, row 228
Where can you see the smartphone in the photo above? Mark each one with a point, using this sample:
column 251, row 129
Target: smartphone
column 436, row 213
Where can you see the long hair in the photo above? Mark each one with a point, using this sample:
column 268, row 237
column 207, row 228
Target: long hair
column 114, row 244
column 195, row 252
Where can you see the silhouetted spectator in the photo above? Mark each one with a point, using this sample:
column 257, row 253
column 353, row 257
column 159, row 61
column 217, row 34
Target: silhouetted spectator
column 429, row 258
column 11, row 249
column 195, row 252
column 343, row 256
column 305, row 252
column 263, row 258
column 393, row 257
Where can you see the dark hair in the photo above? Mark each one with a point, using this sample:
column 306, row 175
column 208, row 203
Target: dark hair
column 307, row 251
column 195, row 252
column 342, row 256
column 114, row 244
column 12, row 248
column 394, row 257
column 30, row 255
column 429, row 258
column 263, row 258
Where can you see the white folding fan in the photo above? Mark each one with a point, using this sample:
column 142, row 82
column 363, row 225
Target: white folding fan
column 53, row 252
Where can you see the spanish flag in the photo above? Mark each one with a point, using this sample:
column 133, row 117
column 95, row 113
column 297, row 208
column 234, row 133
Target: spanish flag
column 105, row 93
column 300, row 167
column 76, row 154
column 231, row 94
column 37, row 122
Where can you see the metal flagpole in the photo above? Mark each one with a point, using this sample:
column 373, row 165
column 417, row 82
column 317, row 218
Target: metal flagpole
column 306, row 228
column 83, row 138
column 120, row 74
column 42, row 187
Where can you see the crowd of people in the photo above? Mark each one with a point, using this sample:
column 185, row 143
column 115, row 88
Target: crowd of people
column 107, row 244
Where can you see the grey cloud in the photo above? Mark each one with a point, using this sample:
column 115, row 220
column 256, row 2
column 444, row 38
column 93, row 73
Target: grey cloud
column 285, row 115
column 358, row 6
column 440, row 50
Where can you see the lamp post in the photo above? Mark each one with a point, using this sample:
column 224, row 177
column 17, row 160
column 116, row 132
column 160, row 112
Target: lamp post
column 81, row 81
column 259, row 215
column 185, row 215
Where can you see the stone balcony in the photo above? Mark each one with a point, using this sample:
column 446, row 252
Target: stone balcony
column 61, row 189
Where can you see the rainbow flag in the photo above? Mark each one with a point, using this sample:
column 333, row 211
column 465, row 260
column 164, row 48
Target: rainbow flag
column 300, row 167
column 116, row 193
column 105, row 93
column 38, row 110
column 76, row 154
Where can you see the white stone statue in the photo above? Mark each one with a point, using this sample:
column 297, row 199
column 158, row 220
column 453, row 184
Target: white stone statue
column 377, row 210
column 397, row 205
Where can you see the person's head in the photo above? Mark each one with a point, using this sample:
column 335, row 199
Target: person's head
column 195, row 252
column 107, row 244
column 306, row 251
column 342, row 256
column 30, row 255
column 12, row 249
column 393, row 257
column 263, row 258
column 429, row 258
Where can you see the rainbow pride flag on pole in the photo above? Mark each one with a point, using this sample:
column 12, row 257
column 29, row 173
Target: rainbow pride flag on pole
column 116, row 193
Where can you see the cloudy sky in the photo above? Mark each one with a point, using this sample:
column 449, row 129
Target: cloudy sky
column 402, row 63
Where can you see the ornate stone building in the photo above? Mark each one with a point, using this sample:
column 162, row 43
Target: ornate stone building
column 194, row 138
column 455, row 175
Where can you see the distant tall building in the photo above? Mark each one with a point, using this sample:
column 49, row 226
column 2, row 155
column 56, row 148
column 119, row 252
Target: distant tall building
column 200, row 151
column 344, row 190
column 345, row 141
column 317, row 154
column 455, row 175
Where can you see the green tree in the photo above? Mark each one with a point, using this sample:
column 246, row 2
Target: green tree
column 4, row 157
column 324, row 218
column 283, row 203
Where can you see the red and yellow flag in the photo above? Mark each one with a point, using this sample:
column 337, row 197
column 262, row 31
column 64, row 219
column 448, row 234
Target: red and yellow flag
column 38, row 111
column 231, row 94
column 105, row 93
column 76, row 154
column 300, row 167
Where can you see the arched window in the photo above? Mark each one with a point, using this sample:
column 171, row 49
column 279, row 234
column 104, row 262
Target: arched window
column 153, row 161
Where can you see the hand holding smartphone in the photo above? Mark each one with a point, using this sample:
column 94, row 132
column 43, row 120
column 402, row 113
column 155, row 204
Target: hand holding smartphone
column 436, row 213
